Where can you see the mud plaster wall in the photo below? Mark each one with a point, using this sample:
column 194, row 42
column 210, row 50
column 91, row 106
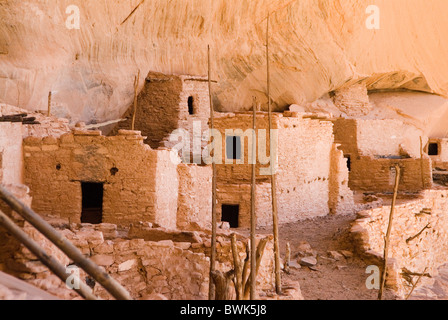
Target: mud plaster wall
column 304, row 155
column 378, row 175
column 240, row 194
column 11, row 156
column 341, row 196
column 387, row 137
column 140, row 184
column 440, row 160
column 426, row 250
column 195, row 196
column 163, row 108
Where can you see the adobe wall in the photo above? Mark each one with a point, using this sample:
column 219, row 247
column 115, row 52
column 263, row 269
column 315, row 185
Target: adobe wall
column 11, row 156
column 240, row 194
column 371, row 174
column 163, row 107
column 386, row 137
column 440, row 160
column 341, row 200
column 304, row 158
column 345, row 134
column 411, row 246
column 195, row 196
column 140, row 184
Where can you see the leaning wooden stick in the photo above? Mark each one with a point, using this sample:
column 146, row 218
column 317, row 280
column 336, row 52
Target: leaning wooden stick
column 136, row 81
column 253, row 219
column 287, row 258
column 414, row 285
column 222, row 284
column 421, row 163
column 278, row 281
column 213, row 244
column 389, row 228
column 259, row 256
column 49, row 104
column 238, row 277
column 58, row 269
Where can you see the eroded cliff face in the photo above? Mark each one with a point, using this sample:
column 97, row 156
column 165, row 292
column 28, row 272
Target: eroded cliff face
column 316, row 46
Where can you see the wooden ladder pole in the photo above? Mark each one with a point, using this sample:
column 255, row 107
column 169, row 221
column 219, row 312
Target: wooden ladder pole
column 389, row 229
column 278, row 280
column 100, row 276
column 253, row 218
column 49, row 104
column 211, row 292
column 421, row 163
column 136, row 81
column 58, row 269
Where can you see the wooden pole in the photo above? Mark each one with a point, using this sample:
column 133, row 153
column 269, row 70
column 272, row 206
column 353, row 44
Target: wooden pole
column 222, row 284
column 245, row 278
column 100, row 276
column 287, row 257
column 260, row 251
column 421, row 163
column 278, row 281
column 253, row 218
column 211, row 292
column 389, row 228
column 57, row 268
column 49, row 104
column 136, row 81
column 414, row 285
column 237, row 266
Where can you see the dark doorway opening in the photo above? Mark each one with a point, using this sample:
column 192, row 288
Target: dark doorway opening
column 433, row 149
column 190, row 105
column 230, row 213
column 349, row 162
column 92, row 202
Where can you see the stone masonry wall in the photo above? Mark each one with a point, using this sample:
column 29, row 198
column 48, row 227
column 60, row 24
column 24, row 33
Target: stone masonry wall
column 157, row 110
column 11, row 156
column 195, row 195
column 140, row 184
column 412, row 247
column 163, row 108
column 147, row 269
column 304, row 156
column 370, row 174
column 388, row 137
column 341, row 200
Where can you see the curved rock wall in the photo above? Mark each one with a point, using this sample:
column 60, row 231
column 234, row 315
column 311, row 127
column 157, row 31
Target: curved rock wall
column 317, row 46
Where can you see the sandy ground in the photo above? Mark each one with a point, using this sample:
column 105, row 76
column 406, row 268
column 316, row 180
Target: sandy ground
column 331, row 279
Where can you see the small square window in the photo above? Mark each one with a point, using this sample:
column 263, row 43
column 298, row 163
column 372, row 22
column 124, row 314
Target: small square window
column 433, row 149
column 233, row 147
column 190, row 105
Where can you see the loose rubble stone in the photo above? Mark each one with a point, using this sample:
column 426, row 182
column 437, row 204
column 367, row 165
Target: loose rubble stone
column 335, row 255
column 308, row 261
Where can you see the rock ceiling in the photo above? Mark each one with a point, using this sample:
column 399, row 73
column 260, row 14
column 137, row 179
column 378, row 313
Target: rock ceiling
column 316, row 46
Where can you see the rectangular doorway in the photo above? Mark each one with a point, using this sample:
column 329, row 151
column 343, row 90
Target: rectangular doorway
column 230, row 213
column 92, row 202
